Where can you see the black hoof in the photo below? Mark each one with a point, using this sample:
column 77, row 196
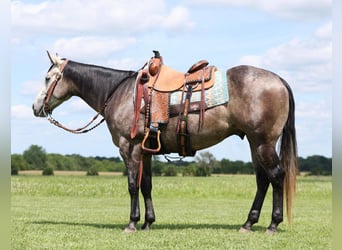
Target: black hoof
column 147, row 226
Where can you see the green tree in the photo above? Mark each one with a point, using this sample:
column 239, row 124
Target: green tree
column 315, row 165
column 36, row 157
column 225, row 166
column 48, row 171
column 170, row 170
column 236, row 167
column 92, row 171
column 57, row 161
column 80, row 163
column 157, row 167
column 206, row 162
column 248, row 168
column 17, row 163
column 118, row 166
column 190, row 170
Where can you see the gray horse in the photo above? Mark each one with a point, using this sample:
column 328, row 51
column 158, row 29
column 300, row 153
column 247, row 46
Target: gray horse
column 261, row 107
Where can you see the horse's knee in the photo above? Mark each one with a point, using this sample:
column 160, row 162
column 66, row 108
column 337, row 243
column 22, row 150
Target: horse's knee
column 132, row 188
column 132, row 185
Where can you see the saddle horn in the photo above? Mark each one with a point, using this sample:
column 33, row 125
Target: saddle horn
column 155, row 63
column 156, row 54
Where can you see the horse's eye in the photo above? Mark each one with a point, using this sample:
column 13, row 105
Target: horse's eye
column 47, row 78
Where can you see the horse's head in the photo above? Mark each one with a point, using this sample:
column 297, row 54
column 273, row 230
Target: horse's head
column 55, row 89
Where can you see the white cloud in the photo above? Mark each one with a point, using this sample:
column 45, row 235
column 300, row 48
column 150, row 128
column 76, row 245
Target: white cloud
column 21, row 112
column 289, row 9
column 177, row 20
column 325, row 31
column 31, row 87
column 125, row 63
column 297, row 9
column 90, row 47
column 102, row 16
column 306, row 62
column 318, row 111
column 78, row 105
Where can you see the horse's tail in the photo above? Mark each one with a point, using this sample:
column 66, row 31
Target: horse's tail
column 288, row 154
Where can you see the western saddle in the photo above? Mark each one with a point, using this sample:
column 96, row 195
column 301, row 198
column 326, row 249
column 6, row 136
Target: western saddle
column 155, row 83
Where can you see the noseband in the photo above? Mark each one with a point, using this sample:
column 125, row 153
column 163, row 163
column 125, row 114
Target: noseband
column 46, row 108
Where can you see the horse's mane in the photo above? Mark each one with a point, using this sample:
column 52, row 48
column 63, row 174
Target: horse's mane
column 96, row 78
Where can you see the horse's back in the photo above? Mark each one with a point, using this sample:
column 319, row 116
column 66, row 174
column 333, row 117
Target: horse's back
column 258, row 101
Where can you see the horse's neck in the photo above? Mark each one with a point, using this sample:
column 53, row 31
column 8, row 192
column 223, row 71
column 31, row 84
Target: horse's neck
column 95, row 84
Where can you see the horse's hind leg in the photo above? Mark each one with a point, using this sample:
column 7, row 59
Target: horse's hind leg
column 267, row 158
column 276, row 175
column 146, row 188
column 254, row 213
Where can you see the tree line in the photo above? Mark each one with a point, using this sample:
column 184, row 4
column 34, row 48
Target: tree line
column 205, row 164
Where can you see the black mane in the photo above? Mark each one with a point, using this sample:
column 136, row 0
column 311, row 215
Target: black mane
column 96, row 84
column 96, row 79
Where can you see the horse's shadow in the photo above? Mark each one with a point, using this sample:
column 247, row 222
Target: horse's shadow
column 177, row 226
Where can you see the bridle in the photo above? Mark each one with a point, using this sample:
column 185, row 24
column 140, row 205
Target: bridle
column 47, row 111
column 46, row 108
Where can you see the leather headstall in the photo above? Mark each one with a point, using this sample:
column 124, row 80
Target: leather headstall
column 52, row 88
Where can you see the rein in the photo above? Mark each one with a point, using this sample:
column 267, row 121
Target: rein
column 83, row 129
column 79, row 130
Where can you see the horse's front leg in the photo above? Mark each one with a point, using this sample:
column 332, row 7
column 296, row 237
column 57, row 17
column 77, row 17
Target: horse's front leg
column 131, row 155
column 146, row 189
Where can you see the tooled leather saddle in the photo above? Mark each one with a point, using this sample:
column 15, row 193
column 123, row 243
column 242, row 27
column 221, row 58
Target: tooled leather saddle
column 154, row 84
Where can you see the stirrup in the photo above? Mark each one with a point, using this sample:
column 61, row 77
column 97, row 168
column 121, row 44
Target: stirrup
column 151, row 150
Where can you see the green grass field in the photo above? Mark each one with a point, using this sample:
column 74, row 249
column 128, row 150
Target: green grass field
column 79, row 212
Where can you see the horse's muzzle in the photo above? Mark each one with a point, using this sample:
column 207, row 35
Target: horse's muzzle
column 39, row 112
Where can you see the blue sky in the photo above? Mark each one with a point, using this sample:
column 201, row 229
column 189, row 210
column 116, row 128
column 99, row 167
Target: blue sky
column 292, row 38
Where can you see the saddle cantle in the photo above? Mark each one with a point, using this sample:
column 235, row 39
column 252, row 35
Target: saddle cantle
column 154, row 85
column 197, row 66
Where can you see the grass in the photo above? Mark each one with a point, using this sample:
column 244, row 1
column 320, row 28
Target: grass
column 79, row 212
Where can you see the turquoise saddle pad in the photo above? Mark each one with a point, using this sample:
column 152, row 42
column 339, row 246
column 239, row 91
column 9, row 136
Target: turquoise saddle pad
column 216, row 95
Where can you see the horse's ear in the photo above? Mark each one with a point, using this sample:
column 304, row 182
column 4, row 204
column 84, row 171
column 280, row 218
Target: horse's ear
column 50, row 57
